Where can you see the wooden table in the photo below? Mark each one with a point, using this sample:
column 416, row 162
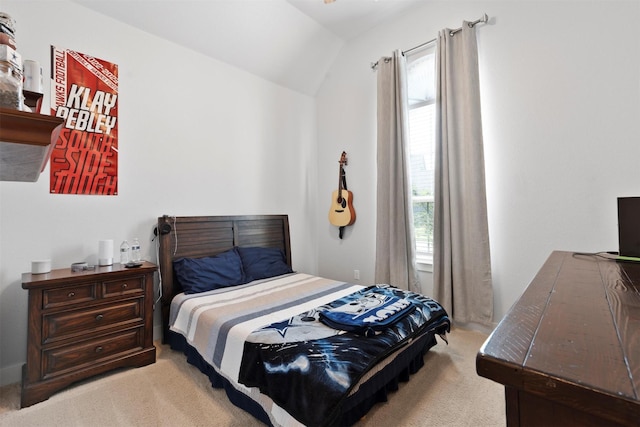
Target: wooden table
column 568, row 351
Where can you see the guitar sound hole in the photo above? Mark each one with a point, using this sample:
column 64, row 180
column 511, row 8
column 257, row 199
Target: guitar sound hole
column 343, row 203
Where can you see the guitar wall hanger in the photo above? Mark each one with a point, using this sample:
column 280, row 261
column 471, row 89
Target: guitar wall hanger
column 342, row 212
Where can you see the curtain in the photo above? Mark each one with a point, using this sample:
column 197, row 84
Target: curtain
column 462, row 263
column 395, row 257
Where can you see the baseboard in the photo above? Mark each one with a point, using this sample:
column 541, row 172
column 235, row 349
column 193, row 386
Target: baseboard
column 11, row 374
column 157, row 333
column 471, row 326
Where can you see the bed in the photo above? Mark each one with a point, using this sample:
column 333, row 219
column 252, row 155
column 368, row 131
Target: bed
column 280, row 342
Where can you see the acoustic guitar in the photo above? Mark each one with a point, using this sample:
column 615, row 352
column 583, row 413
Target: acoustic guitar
column 342, row 213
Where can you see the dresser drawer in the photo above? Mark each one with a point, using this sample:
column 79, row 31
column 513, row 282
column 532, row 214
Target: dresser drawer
column 78, row 356
column 68, row 295
column 65, row 324
column 128, row 286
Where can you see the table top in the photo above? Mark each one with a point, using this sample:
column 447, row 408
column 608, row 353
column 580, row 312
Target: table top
column 574, row 336
column 30, row 280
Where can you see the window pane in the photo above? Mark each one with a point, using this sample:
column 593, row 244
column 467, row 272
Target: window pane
column 422, row 160
column 422, row 149
column 423, row 227
column 421, row 86
column 421, row 82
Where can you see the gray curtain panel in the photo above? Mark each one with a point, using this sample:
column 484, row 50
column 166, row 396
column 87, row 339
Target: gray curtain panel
column 395, row 258
column 461, row 261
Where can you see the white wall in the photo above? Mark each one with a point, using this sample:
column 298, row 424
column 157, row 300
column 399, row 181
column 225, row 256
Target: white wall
column 560, row 85
column 561, row 103
column 196, row 136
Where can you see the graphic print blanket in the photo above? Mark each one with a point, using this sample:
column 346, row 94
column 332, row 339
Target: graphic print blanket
column 269, row 336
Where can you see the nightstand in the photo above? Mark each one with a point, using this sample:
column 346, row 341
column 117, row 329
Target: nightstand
column 86, row 323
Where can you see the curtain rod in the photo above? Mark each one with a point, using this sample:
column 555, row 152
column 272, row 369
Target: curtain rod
column 484, row 19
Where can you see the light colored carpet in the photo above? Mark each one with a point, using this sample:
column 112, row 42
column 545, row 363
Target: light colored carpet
column 445, row 392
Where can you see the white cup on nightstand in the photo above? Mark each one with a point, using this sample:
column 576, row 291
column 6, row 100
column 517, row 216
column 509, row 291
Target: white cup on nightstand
column 41, row 266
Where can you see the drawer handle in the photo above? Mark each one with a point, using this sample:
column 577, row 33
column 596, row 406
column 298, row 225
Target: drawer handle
column 99, row 349
column 99, row 317
column 71, row 294
column 124, row 286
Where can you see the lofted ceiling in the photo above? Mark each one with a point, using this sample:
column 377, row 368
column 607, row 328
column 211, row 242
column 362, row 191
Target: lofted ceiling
column 289, row 42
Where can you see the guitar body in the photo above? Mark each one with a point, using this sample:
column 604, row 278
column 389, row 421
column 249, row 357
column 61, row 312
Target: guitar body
column 342, row 213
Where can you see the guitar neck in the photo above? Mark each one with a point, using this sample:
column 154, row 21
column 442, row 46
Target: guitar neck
column 341, row 174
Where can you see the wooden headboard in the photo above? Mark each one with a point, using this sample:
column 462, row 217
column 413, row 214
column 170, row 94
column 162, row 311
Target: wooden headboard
column 200, row 236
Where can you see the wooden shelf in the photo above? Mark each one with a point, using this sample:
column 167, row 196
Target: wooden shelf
column 25, row 143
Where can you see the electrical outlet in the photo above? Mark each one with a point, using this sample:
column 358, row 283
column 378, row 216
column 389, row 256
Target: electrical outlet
column 356, row 274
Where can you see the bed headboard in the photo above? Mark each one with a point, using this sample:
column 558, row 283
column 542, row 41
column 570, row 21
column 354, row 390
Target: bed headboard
column 200, row 236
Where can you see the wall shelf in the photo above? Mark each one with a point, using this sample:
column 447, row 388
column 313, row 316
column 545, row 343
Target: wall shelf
column 26, row 140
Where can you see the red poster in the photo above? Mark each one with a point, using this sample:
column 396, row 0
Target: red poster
column 84, row 92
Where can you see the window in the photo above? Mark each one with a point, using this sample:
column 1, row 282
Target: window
column 421, row 84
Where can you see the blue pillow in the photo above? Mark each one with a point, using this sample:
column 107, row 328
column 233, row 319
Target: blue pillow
column 261, row 263
column 204, row 274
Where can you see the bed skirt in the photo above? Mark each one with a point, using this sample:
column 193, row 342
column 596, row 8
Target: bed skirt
column 373, row 391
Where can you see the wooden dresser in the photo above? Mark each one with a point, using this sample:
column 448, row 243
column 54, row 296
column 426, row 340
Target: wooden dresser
column 568, row 351
column 86, row 323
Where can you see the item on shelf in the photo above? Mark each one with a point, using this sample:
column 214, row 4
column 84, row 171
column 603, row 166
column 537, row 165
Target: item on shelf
column 8, row 40
column 132, row 264
column 79, row 266
column 125, row 255
column 41, row 266
column 8, row 26
column 32, row 76
column 105, row 252
column 10, row 78
column 135, row 251
column 10, row 65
